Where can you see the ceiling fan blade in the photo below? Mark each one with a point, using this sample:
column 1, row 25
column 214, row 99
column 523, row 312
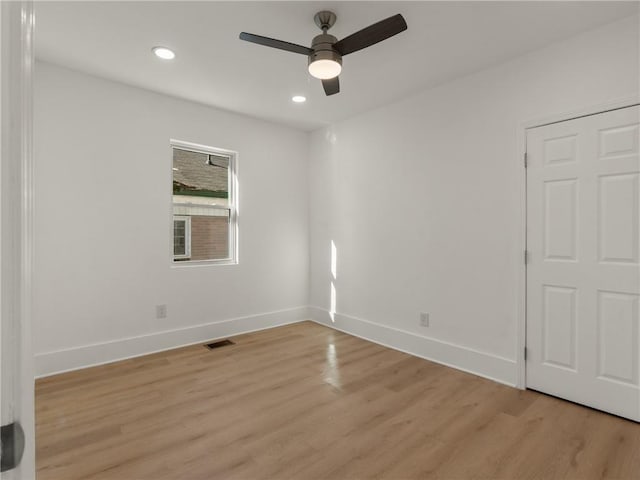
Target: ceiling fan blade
column 331, row 86
column 371, row 35
column 272, row 42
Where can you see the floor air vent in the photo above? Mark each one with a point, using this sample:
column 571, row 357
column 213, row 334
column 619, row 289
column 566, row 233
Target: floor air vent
column 218, row 344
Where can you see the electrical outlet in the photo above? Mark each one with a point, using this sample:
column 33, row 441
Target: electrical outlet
column 161, row 311
column 424, row 319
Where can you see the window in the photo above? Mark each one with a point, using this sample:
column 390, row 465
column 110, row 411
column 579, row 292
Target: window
column 181, row 237
column 204, row 206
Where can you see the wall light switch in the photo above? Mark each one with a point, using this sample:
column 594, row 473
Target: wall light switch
column 424, row 319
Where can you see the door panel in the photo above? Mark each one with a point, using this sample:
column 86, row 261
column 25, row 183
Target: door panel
column 560, row 219
column 618, row 218
column 583, row 274
column 618, row 336
column 559, row 326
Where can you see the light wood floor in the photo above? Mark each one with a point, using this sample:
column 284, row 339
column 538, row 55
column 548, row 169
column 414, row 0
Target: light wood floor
column 307, row 402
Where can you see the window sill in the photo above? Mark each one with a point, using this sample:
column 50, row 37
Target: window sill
column 202, row 263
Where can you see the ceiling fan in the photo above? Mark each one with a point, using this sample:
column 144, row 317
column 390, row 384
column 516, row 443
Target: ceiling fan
column 326, row 52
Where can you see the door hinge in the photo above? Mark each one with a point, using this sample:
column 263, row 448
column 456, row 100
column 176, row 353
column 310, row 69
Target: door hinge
column 526, row 257
column 11, row 446
column 525, row 353
column 526, row 160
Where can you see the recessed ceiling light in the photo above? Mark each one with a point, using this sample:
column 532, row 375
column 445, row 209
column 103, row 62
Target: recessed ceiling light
column 164, row 53
column 298, row 99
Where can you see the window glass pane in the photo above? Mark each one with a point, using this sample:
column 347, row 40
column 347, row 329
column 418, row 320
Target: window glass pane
column 201, row 194
column 199, row 178
column 210, row 236
column 179, row 238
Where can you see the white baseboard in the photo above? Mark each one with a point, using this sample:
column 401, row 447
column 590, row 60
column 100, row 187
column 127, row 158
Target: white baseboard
column 50, row 363
column 493, row 367
column 486, row 365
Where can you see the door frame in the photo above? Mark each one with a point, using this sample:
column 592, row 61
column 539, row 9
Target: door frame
column 521, row 340
column 16, row 124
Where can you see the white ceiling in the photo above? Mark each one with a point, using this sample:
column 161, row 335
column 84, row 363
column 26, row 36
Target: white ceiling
column 444, row 40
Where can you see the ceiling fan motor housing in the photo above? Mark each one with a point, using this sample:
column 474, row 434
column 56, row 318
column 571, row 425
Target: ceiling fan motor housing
column 322, row 47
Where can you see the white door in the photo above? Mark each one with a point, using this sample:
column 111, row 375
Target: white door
column 16, row 373
column 583, row 271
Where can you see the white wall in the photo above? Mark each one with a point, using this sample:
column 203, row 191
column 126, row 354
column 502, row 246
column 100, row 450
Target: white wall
column 103, row 223
column 422, row 199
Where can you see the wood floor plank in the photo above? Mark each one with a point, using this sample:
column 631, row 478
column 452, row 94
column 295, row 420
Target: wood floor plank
column 307, row 402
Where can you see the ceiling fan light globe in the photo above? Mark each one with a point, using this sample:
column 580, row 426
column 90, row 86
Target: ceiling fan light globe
column 325, row 69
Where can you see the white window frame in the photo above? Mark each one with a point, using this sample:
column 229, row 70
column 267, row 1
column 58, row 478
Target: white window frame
column 232, row 207
column 187, row 236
